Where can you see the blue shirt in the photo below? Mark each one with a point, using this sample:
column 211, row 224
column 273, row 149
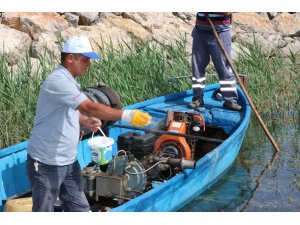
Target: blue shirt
column 55, row 134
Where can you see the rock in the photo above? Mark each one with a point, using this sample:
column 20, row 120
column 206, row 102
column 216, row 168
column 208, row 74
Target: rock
column 12, row 20
column 293, row 47
column 252, row 22
column 102, row 15
column 118, row 13
column 87, row 18
column 35, row 23
column 270, row 30
column 187, row 17
column 72, row 19
column 287, row 24
column 272, row 15
column 45, row 46
column 288, row 39
column 268, row 42
column 135, row 30
column 100, row 36
column 264, row 15
column 164, row 27
column 14, row 44
column 181, row 15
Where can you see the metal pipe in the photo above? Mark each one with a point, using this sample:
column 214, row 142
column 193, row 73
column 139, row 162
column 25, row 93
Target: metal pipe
column 174, row 79
column 181, row 163
column 213, row 140
column 188, row 164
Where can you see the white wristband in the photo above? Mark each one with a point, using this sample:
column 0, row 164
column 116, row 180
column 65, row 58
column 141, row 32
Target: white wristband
column 127, row 115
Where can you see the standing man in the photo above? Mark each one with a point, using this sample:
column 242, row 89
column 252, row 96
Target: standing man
column 52, row 166
column 205, row 46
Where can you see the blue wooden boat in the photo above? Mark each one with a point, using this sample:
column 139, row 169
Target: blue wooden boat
column 175, row 192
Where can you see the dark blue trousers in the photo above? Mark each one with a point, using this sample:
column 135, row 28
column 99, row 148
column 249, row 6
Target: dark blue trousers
column 50, row 182
column 205, row 46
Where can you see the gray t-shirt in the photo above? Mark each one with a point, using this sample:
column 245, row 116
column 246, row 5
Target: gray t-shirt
column 55, row 134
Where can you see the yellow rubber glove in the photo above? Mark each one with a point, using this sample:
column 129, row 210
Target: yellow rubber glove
column 136, row 117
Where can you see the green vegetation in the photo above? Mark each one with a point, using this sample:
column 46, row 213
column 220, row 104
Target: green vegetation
column 19, row 89
column 274, row 80
column 140, row 71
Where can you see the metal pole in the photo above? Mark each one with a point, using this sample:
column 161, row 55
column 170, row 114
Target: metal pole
column 213, row 140
column 174, row 79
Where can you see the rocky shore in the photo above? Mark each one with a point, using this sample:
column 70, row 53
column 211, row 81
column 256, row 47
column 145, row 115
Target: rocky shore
column 42, row 32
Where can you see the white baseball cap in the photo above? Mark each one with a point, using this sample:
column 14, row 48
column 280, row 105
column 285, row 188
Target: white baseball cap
column 81, row 45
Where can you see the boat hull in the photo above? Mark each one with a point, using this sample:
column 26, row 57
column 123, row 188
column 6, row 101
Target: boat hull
column 176, row 192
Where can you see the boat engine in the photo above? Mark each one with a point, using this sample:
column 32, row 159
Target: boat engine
column 126, row 177
column 176, row 146
column 145, row 160
column 149, row 147
column 123, row 179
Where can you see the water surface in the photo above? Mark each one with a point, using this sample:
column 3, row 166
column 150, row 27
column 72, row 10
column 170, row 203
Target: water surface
column 258, row 181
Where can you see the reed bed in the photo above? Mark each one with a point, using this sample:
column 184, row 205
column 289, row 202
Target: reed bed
column 140, row 71
column 19, row 89
column 274, row 79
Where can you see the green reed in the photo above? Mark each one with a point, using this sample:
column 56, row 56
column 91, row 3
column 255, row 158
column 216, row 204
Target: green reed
column 140, row 71
column 274, row 79
column 19, row 89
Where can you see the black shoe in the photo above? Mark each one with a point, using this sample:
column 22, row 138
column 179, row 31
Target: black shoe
column 232, row 106
column 197, row 103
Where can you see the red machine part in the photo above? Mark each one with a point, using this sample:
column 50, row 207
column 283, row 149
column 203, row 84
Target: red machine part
column 176, row 142
column 200, row 119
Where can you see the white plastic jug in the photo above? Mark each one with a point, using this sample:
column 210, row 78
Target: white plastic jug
column 101, row 149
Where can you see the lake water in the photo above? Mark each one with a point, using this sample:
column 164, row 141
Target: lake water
column 258, row 181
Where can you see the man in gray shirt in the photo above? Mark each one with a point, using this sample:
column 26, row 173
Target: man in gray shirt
column 52, row 166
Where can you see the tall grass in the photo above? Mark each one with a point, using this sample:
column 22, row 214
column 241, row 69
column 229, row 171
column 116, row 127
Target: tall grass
column 274, row 79
column 18, row 93
column 140, row 71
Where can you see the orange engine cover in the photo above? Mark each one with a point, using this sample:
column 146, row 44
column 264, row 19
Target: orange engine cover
column 179, row 142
